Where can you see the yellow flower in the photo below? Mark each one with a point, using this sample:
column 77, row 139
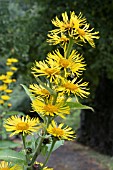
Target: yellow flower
column 59, row 132
column 39, row 90
column 42, row 69
column 9, row 104
column 13, row 68
column 9, row 73
column 7, row 166
column 5, row 97
column 12, row 60
column 7, row 81
column 8, row 91
column 2, row 77
column 55, row 39
column 1, row 101
column 3, row 87
column 86, row 35
column 48, row 109
column 24, row 125
column 74, row 87
column 8, row 64
column 68, row 25
column 75, row 28
column 73, row 64
column 13, row 80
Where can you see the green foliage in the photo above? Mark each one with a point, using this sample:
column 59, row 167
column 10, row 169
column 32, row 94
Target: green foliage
column 8, row 144
column 12, row 156
column 28, row 92
column 77, row 105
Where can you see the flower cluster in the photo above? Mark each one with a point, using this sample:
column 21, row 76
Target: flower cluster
column 6, row 81
column 75, row 27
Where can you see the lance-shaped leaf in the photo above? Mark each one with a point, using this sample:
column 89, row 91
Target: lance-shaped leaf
column 8, row 144
column 12, row 112
column 77, row 105
column 12, row 156
column 28, row 92
column 56, row 146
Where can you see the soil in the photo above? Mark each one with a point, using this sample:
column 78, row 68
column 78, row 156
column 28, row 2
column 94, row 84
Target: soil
column 73, row 156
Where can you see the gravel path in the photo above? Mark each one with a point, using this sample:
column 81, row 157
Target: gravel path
column 72, row 157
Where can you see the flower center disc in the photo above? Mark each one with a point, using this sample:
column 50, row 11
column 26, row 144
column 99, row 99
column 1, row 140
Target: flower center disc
column 44, row 91
column 70, row 86
column 4, row 168
column 81, row 32
column 50, row 71
column 58, row 132
column 64, row 62
column 22, row 126
column 50, row 108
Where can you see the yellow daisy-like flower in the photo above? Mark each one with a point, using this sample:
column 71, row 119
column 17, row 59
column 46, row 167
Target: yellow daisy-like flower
column 9, row 73
column 5, row 97
column 75, row 28
column 54, row 39
column 73, row 64
column 59, row 132
column 9, row 104
column 8, row 91
column 7, row 166
column 8, row 64
column 85, row 34
column 2, row 77
column 48, row 109
column 13, row 80
column 24, row 125
column 68, row 25
column 43, row 69
column 3, row 87
column 7, row 81
column 13, row 68
column 12, row 60
column 74, row 87
column 39, row 90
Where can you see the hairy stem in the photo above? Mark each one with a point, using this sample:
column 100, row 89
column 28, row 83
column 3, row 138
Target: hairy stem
column 24, row 144
column 69, row 48
column 37, row 151
column 48, row 156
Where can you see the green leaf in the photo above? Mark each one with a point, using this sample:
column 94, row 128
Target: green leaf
column 14, row 113
column 56, row 146
column 28, row 92
column 8, row 144
column 12, row 156
column 77, row 105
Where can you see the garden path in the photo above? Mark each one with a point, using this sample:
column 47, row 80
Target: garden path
column 73, row 156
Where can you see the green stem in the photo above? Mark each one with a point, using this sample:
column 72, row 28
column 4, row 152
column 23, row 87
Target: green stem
column 37, row 151
column 3, row 132
column 48, row 156
column 24, row 143
column 70, row 45
column 55, row 98
column 65, row 98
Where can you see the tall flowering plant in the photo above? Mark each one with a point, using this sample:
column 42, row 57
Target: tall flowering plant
column 58, row 89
